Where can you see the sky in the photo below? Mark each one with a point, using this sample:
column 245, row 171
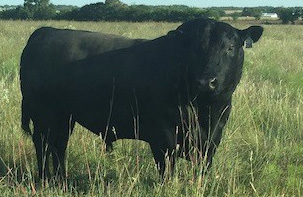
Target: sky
column 193, row 3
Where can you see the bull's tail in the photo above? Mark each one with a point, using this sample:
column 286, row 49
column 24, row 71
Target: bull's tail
column 25, row 118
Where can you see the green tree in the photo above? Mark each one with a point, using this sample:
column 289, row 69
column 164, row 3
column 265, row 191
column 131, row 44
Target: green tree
column 115, row 3
column 29, row 2
column 288, row 14
column 253, row 12
column 235, row 15
column 39, row 9
column 214, row 13
column 44, row 12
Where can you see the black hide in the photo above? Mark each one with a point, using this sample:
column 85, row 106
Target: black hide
column 142, row 91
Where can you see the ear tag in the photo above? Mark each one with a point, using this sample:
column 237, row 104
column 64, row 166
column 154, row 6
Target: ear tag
column 248, row 42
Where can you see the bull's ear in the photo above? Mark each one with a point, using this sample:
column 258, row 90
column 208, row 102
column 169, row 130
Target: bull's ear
column 174, row 33
column 253, row 32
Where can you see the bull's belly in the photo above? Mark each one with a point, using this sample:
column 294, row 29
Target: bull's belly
column 131, row 118
column 100, row 119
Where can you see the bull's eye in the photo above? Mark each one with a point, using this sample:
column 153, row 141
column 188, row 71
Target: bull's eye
column 230, row 49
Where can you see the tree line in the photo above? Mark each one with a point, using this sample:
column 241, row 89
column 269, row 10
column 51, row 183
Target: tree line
column 110, row 10
column 115, row 10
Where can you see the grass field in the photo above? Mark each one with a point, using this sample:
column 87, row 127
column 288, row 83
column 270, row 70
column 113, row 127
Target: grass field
column 261, row 153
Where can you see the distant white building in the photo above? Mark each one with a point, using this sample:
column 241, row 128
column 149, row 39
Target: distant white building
column 270, row 15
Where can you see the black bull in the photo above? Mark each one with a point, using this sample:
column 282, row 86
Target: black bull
column 142, row 91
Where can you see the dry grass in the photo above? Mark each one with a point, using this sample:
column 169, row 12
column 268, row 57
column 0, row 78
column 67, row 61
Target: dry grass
column 261, row 150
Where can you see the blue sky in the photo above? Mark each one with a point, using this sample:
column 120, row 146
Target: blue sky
column 196, row 3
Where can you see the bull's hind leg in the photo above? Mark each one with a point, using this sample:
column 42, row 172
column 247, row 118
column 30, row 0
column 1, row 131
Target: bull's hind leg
column 164, row 150
column 40, row 140
column 59, row 136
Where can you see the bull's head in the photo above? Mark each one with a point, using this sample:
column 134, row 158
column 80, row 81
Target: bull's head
column 213, row 59
column 216, row 54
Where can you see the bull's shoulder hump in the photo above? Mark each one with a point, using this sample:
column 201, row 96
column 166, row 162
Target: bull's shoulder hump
column 45, row 30
column 40, row 31
column 52, row 30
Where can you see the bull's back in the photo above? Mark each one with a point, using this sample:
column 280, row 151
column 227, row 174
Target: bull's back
column 48, row 49
column 59, row 46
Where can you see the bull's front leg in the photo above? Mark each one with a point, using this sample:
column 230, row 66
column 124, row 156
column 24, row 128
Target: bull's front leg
column 163, row 148
column 212, row 119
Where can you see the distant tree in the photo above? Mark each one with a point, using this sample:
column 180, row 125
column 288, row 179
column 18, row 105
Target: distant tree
column 28, row 3
column 269, row 9
column 138, row 13
column 43, row 2
column 45, row 12
column 18, row 13
column 253, row 12
column 288, row 14
column 235, row 15
column 39, row 9
column 215, row 13
column 110, row 10
column 116, row 3
column 113, row 10
column 24, row 13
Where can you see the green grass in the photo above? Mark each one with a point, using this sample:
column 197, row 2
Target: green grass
column 261, row 150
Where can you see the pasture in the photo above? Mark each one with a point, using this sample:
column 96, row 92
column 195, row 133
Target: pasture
column 261, row 149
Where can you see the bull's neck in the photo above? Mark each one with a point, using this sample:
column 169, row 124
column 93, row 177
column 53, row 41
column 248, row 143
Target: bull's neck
column 179, row 58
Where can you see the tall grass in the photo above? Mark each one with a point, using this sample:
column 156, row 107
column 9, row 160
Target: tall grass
column 261, row 150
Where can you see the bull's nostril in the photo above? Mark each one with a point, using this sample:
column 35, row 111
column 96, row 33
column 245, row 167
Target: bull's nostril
column 212, row 83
